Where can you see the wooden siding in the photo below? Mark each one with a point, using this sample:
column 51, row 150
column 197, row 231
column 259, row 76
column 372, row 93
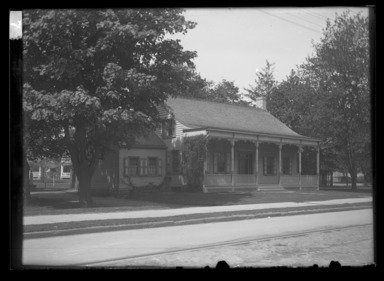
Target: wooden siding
column 179, row 129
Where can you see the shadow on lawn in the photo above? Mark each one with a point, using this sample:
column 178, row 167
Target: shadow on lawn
column 68, row 201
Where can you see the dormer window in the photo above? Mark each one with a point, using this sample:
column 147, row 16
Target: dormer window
column 168, row 128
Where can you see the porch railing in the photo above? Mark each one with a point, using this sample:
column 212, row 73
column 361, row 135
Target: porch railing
column 218, row 179
column 286, row 180
column 290, row 180
column 245, row 179
column 308, row 180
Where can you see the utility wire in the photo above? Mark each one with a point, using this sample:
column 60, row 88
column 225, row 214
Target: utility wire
column 316, row 14
column 301, row 18
column 292, row 22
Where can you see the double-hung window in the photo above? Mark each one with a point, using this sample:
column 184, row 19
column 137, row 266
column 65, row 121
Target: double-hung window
column 168, row 128
column 287, row 166
column 152, row 166
column 131, row 166
column 136, row 166
column 269, row 166
column 221, row 162
column 245, row 163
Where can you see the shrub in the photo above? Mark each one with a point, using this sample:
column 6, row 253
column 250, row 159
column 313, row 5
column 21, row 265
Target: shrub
column 194, row 153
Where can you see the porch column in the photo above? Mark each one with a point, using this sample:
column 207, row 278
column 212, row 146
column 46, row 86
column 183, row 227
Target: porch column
column 318, row 165
column 300, row 150
column 280, row 166
column 257, row 164
column 233, row 163
column 205, row 172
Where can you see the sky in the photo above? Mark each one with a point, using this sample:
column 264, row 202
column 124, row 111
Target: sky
column 15, row 24
column 233, row 44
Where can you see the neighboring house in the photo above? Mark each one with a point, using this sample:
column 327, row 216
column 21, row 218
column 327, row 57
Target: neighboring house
column 248, row 148
column 65, row 168
column 138, row 167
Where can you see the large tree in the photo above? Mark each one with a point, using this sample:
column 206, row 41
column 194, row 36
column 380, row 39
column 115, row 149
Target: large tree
column 95, row 77
column 329, row 97
column 342, row 64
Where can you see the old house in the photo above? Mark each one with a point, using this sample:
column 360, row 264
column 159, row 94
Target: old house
column 248, row 148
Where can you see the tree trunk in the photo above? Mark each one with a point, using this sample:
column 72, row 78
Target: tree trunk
column 26, row 183
column 353, row 174
column 84, row 179
column 84, row 164
column 73, row 178
column 331, row 179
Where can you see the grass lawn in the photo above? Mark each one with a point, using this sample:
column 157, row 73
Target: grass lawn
column 66, row 202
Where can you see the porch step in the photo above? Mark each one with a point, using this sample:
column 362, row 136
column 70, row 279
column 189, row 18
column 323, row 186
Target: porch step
column 270, row 187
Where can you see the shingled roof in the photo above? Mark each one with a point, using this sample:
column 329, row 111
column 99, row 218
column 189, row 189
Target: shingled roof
column 150, row 140
column 206, row 114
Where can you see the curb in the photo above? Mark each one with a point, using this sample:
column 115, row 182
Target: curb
column 167, row 223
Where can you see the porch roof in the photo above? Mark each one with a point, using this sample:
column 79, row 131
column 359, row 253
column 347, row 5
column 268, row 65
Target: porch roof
column 206, row 114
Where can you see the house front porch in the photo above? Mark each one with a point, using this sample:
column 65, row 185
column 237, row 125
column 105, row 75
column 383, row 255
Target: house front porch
column 257, row 163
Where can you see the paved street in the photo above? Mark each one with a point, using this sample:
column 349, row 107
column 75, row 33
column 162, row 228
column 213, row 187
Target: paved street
column 111, row 248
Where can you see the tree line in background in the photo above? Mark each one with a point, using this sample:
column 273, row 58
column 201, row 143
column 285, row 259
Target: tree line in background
column 328, row 96
column 92, row 80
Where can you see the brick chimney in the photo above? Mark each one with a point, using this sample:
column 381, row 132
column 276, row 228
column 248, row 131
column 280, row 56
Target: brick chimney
column 261, row 102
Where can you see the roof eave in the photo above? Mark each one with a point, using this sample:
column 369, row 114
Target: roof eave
column 252, row 133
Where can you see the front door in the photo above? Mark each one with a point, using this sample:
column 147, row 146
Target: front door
column 245, row 163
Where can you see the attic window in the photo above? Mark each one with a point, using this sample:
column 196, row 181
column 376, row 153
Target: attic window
column 168, row 128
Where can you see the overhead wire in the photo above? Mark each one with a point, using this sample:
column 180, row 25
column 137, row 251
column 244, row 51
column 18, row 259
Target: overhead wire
column 303, row 19
column 316, row 14
column 290, row 21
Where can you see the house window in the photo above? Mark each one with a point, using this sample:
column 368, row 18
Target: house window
column 269, row 166
column 245, row 163
column 67, row 168
column 168, row 128
column 131, row 166
column 287, row 165
column 135, row 166
column 175, row 161
column 220, row 162
column 152, row 166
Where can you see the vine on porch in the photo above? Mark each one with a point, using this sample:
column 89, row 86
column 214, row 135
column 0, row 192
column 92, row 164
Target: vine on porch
column 194, row 153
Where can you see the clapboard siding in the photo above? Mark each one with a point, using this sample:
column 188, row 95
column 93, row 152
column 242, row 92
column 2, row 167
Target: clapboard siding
column 179, row 129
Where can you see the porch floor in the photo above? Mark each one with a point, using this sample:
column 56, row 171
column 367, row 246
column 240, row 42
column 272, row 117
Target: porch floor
column 261, row 187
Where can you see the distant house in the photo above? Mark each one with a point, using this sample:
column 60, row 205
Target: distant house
column 248, row 149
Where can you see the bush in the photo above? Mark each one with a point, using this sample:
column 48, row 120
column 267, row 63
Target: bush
column 194, row 153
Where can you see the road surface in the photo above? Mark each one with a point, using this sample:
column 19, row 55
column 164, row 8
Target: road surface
column 198, row 245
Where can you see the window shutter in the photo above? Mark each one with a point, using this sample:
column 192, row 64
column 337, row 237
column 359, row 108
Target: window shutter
column 125, row 166
column 159, row 166
column 145, row 166
column 264, row 165
column 215, row 160
column 274, row 165
column 228, row 162
column 142, row 166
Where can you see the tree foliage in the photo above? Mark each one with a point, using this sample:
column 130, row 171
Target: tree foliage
column 329, row 97
column 264, row 82
column 94, row 77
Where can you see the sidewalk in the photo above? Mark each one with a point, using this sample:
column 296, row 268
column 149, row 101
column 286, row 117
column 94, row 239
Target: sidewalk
column 53, row 219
